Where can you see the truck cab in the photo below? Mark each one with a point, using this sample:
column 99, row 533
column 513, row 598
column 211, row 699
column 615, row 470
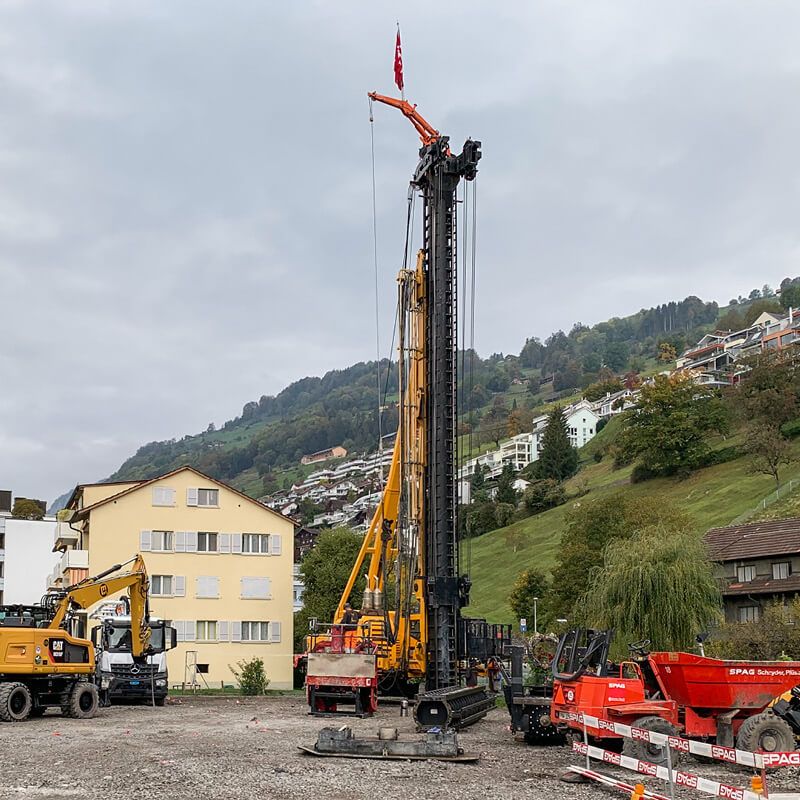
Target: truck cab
column 119, row 676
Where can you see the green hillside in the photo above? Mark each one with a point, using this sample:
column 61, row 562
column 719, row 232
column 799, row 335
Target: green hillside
column 711, row 496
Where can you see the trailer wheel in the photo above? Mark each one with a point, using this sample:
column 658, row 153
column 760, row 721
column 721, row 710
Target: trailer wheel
column 644, row 751
column 15, row 702
column 82, row 702
column 765, row 733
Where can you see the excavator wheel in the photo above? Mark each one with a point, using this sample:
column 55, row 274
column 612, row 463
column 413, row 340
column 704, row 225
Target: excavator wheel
column 765, row 733
column 644, row 751
column 82, row 701
column 15, row 702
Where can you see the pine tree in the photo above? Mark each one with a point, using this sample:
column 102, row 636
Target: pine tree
column 558, row 459
column 506, row 493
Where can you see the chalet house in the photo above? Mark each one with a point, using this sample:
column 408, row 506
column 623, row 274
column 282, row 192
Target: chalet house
column 757, row 564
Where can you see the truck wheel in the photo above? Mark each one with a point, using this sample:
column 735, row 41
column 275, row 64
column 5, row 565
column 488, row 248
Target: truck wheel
column 644, row 751
column 765, row 733
column 83, row 701
column 160, row 701
column 15, row 702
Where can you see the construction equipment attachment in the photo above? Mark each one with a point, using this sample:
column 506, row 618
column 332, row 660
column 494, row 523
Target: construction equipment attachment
column 441, row 745
column 452, row 707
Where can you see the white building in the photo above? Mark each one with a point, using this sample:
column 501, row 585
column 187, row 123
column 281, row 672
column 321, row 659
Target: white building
column 581, row 426
column 26, row 558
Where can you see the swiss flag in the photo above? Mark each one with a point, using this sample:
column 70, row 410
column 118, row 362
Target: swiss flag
column 398, row 62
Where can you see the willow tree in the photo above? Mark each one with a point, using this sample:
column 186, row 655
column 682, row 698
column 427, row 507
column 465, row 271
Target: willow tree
column 658, row 585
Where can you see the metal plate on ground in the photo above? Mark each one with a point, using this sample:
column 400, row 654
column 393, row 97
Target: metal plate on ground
column 464, row 758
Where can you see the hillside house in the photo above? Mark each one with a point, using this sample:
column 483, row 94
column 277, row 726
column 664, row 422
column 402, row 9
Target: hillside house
column 757, row 563
column 324, row 455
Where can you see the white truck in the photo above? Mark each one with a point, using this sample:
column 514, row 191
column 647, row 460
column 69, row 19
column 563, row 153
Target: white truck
column 119, row 677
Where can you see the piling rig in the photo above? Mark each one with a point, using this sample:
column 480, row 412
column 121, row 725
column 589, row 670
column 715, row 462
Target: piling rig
column 409, row 634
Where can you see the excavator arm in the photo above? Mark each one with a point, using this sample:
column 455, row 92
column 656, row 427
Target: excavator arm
column 92, row 590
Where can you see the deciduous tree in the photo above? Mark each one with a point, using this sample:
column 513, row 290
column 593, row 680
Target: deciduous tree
column 325, row 571
column 529, row 584
column 27, row 509
column 669, row 428
column 659, row 585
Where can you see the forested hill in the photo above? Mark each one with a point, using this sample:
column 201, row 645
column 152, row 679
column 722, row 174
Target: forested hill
column 260, row 450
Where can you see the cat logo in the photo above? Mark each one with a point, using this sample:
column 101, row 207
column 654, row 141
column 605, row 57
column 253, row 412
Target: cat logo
column 103, row 589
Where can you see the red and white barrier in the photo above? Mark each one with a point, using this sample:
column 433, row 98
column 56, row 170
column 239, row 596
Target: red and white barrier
column 728, row 754
column 607, row 780
column 675, row 777
column 679, row 778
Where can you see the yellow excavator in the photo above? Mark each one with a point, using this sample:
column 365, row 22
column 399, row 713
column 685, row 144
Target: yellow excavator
column 43, row 665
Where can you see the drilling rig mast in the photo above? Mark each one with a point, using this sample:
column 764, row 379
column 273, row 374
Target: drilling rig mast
column 410, row 621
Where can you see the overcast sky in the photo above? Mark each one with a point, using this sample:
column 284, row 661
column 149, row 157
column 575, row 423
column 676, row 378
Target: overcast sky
column 185, row 190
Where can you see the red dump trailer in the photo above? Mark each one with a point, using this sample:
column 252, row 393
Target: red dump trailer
column 727, row 702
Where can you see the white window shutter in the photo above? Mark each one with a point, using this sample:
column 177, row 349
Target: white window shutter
column 145, row 540
column 191, row 541
column 191, row 497
column 180, row 541
column 255, row 588
column 180, row 629
column 222, row 631
column 275, row 631
column 267, row 588
column 236, row 631
column 275, row 543
column 170, row 497
column 179, row 585
column 207, row 586
column 224, row 542
column 191, row 632
column 236, row 543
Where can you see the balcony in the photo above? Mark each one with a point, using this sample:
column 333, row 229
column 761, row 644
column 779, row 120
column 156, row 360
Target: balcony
column 64, row 537
column 75, row 559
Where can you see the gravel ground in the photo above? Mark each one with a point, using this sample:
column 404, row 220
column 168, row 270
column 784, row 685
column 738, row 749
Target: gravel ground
column 229, row 749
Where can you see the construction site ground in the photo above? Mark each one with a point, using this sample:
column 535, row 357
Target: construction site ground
column 243, row 748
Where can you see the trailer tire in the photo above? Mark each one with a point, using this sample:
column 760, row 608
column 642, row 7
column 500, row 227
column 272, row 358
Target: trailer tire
column 644, row 751
column 765, row 733
column 15, row 702
column 82, row 702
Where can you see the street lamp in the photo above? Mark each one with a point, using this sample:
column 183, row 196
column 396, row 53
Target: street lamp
column 535, row 616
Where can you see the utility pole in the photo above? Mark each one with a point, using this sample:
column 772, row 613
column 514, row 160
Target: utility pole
column 535, row 616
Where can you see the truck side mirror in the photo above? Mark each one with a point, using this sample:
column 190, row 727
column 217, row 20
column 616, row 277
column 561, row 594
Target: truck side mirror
column 173, row 638
column 96, row 635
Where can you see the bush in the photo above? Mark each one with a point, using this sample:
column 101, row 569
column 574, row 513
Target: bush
column 250, row 676
column 598, row 456
column 721, row 456
column 640, row 474
column 601, row 423
column 791, row 429
column 544, row 494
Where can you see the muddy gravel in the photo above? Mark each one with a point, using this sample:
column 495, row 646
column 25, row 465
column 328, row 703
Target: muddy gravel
column 229, row 749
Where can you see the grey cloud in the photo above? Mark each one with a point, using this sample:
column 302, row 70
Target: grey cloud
column 185, row 190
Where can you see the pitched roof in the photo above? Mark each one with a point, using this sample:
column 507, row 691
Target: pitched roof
column 142, row 484
column 774, row 537
column 80, row 486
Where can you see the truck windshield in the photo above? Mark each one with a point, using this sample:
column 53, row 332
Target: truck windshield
column 119, row 638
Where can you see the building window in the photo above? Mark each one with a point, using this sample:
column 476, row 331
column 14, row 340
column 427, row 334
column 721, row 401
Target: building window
column 161, row 541
column 749, row 614
column 746, row 574
column 255, row 543
column 781, row 570
column 206, row 542
column 163, row 496
column 255, row 631
column 208, row 497
column 161, row 585
column 206, row 630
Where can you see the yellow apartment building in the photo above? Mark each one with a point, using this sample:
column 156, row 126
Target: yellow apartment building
column 220, row 566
